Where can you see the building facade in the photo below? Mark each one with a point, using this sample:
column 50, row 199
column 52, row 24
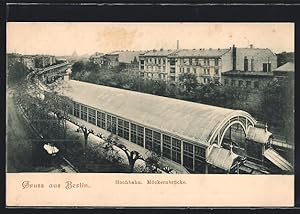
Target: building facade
column 207, row 64
column 156, row 64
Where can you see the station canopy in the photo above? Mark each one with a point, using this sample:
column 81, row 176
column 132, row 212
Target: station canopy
column 187, row 120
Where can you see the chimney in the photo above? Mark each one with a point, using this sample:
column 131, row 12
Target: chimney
column 177, row 44
column 233, row 57
column 251, row 46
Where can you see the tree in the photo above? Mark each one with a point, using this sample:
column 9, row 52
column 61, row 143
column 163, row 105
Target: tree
column 278, row 106
column 86, row 133
column 188, row 81
column 132, row 156
column 77, row 67
column 110, row 149
column 152, row 162
column 16, row 74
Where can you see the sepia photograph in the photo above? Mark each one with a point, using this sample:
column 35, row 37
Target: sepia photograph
column 180, row 98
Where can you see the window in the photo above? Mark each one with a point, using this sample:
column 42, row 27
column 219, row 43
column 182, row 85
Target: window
column 101, row 119
column 172, row 70
column 71, row 108
column 172, row 78
column 199, row 159
column 252, row 64
column 92, row 116
column 148, row 139
column 111, row 124
column 199, row 62
column 248, row 84
column 158, row 60
column 172, row 61
column 194, row 69
column 176, row 150
column 123, row 129
column 137, row 134
column 245, row 64
column 208, row 71
column 216, row 62
column 76, row 109
column 126, row 130
column 193, row 61
column 225, row 81
column 240, row 83
column 266, row 67
column 156, row 142
column 155, row 61
column 206, row 61
column 256, row 84
column 167, row 146
column 181, row 61
column 216, row 71
column 84, row 113
column 164, row 61
column 233, row 83
column 188, row 151
column 181, row 70
column 142, row 62
column 188, row 70
column 190, row 61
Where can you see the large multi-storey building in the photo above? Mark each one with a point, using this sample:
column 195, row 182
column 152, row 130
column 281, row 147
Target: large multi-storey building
column 156, row 64
column 207, row 64
column 251, row 67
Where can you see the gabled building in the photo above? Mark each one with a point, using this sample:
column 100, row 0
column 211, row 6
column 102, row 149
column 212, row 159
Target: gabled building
column 251, row 67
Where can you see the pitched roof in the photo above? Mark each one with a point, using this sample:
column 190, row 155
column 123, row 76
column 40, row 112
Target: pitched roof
column 258, row 135
column 287, row 67
column 127, row 56
column 278, row 160
column 247, row 73
column 221, row 157
column 161, row 52
column 255, row 52
column 200, row 53
column 197, row 121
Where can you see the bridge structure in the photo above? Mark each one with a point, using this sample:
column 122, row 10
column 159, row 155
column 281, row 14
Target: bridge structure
column 54, row 71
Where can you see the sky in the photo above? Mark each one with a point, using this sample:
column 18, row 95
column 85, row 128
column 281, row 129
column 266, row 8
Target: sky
column 63, row 38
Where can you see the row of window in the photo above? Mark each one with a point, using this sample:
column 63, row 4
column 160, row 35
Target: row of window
column 266, row 66
column 183, row 61
column 242, row 83
column 154, row 60
column 164, row 145
column 199, row 61
column 155, row 68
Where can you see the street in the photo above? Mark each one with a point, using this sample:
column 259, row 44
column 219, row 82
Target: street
column 24, row 150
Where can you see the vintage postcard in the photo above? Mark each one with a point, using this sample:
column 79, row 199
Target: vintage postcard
column 150, row 114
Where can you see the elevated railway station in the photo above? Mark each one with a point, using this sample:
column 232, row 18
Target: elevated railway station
column 201, row 138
